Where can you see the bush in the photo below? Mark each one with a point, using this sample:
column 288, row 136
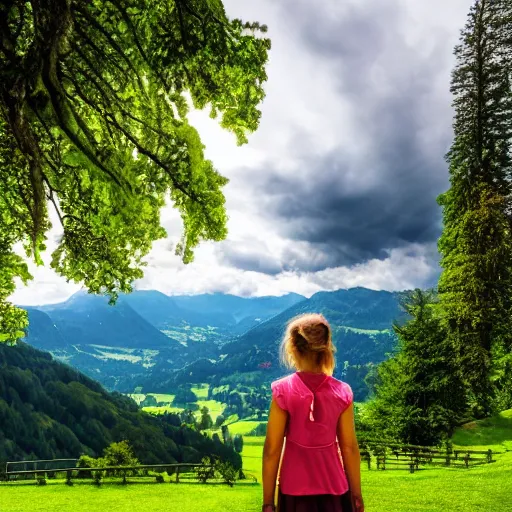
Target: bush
column 238, row 443
column 159, row 479
column 41, row 480
column 86, row 462
column 227, row 472
column 220, row 420
column 98, row 477
column 206, row 471
column 120, row 454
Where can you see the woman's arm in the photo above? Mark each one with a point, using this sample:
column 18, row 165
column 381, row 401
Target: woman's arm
column 272, row 451
column 351, row 456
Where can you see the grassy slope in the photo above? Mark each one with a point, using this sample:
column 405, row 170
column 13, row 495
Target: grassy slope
column 494, row 433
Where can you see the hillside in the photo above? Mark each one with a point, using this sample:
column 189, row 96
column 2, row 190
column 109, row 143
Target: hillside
column 50, row 410
column 86, row 319
column 155, row 341
column 117, row 345
column 494, row 432
column 237, row 313
column 361, row 320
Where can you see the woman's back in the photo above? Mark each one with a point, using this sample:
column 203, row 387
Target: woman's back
column 314, row 403
column 311, row 463
column 311, row 428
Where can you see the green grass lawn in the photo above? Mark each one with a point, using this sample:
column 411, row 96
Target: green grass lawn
column 114, row 497
column 243, row 427
column 201, row 392
column 494, row 433
column 162, row 397
column 486, row 488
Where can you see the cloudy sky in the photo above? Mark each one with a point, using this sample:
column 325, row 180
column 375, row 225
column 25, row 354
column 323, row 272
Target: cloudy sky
column 338, row 187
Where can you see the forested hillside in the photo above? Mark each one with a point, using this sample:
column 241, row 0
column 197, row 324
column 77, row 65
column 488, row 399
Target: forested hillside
column 154, row 341
column 50, row 410
column 361, row 320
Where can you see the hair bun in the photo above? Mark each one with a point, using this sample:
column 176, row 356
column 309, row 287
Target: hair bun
column 308, row 335
column 316, row 335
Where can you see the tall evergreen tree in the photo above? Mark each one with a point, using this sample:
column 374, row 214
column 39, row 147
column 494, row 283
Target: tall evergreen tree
column 420, row 394
column 476, row 245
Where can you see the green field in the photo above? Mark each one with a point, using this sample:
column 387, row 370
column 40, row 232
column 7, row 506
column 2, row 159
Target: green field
column 242, row 427
column 214, row 407
column 485, row 488
column 201, row 391
column 494, row 433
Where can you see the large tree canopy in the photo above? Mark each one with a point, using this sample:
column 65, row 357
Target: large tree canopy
column 93, row 122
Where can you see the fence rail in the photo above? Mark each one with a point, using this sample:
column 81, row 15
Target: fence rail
column 49, row 464
column 171, row 469
column 414, row 457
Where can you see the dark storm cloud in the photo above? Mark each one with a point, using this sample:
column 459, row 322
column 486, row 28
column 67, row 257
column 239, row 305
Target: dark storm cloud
column 353, row 208
column 251, row 257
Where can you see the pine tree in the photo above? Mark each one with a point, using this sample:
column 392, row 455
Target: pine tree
column 420, row 393
column 476, row 245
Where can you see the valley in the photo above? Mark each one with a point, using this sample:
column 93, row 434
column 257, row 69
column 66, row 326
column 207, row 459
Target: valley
column 155, row 342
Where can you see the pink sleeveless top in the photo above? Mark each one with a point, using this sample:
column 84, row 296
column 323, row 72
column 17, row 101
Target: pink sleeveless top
column 311, row 462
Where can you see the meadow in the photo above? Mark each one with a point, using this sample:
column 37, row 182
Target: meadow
column 485, row 488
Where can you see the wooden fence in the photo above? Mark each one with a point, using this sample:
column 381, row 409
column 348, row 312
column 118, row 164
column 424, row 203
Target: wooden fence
column 123, row 471
column 414, row 458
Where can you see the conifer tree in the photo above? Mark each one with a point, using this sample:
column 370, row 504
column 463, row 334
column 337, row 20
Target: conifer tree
column 476, row 245
column 420, row 393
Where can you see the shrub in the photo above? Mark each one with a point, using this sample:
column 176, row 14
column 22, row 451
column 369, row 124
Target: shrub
column 238, row 443
column 98, row 477
column 159, row 479
column 227, row 472
column 206, row 471
column 86, row 462
column 41, row 480
column 220, row 420
column 120, row 454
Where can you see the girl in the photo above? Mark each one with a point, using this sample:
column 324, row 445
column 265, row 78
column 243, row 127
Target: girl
column 314, row 412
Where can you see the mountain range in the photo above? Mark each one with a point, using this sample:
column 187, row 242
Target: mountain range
column 155, row 341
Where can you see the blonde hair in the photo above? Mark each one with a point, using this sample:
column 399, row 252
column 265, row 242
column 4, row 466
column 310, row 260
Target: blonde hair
column 308, row 337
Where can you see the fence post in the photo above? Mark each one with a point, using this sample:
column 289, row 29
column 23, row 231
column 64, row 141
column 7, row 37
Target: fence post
column 178, row 475
column 369, row 461
column 489, row 456
column 68, row 477
column 411, row 467
column 466, row 460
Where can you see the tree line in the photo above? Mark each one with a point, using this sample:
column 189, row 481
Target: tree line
column 454, row 357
